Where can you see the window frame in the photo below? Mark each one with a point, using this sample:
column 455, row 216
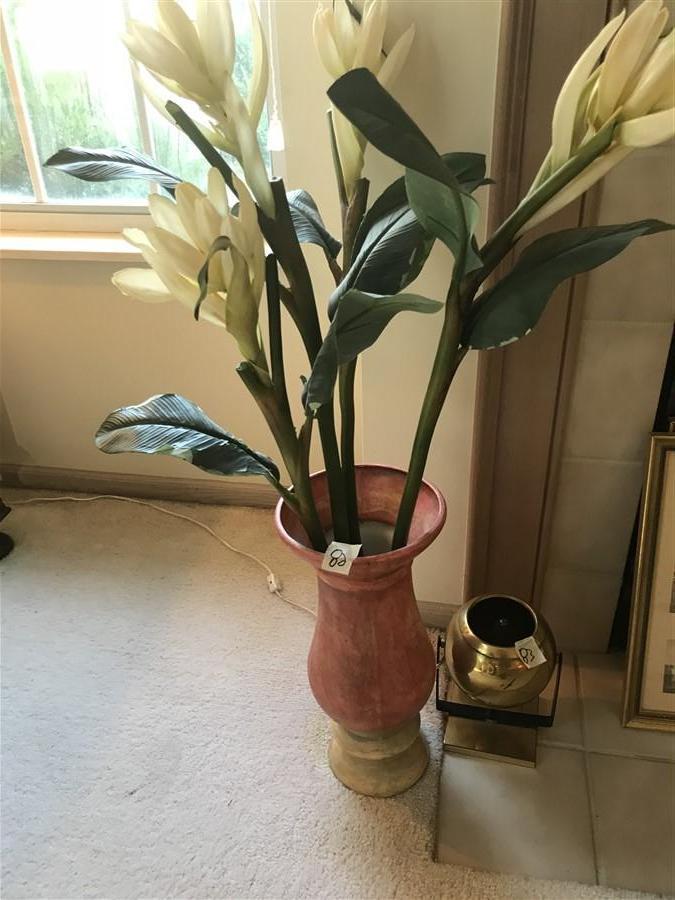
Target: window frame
column 77, row 217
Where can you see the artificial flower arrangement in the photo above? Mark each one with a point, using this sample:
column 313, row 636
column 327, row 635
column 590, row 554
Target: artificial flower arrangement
column 217, row 251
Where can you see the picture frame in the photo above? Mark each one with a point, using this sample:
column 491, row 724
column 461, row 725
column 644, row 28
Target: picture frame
column 649, row 695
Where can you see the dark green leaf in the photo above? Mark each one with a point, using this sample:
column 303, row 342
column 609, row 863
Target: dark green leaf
column 391, row 257
column 382, row 121
column 171, row 425
column 437, row 209
column 468, row 169
column 512, row 307
column 359, row 320
column 308, row 223
column 110, row 164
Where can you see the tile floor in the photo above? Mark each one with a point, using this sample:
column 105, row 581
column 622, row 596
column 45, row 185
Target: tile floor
column 599, row 808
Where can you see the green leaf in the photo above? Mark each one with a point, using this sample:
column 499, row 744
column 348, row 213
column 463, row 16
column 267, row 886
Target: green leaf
column 171, row 425
column 391, row 245
column 468, row 169
column 359, row 320
column 391, row 257
column 111, row 164
column 308, row 223
column 436, row 208
column 512, row 308
column 386, row 125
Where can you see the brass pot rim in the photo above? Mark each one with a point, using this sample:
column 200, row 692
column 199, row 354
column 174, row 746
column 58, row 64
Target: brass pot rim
column 492, row 651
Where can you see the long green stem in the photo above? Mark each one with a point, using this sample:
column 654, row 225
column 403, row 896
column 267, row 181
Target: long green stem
column 450, row 353
column 209, row 152
column 448, row 357
column 287, row 441
column 280, row 235
column 298, row 466
column 352, row 217
column 282, row 238
column 496, row 248
column 348, row 418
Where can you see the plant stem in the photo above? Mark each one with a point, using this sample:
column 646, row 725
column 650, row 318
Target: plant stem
column 281, row 426
column 299, row 467
column 346, row 384
column 207, row 150
column 299, row 299
column 496, row 248
column 448, row 357
column 283, row 240
column 450, row 353
column 337, row 166
column 352, row 216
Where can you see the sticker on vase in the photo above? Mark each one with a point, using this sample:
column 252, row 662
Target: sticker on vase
column 339, row 557
column 530, row 652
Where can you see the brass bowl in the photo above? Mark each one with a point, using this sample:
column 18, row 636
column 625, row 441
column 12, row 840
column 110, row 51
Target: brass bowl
column 481, row 655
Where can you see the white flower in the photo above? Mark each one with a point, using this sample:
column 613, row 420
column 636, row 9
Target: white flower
column 176, row 245
column 343, row 45
column 633, row 87
column 195, row 61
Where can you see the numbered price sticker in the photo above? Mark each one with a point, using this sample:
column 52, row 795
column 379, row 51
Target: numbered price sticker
column 339, row 557
column 530, row 652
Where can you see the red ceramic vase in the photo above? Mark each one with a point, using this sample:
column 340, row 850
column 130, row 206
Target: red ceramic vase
column 371, row 665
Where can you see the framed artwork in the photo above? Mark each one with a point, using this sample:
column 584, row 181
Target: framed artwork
column 649, row 699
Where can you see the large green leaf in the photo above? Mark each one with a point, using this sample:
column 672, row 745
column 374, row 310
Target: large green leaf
column 383, row 122
column 390, row 258
column 391, row 244
column 468, row 169
column 308, row 223
column 169, row 424
column 386, row 125
column 111, row 164
column 437, row 208
column 359, row 320
column 512, row 307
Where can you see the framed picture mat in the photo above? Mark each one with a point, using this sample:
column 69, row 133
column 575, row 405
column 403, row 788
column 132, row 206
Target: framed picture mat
column 649, row 697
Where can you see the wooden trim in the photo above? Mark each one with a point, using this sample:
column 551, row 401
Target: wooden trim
column 523, row 389
column 223, row 491
column 513, row 68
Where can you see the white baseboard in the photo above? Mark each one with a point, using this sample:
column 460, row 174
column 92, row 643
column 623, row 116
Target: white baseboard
column 437, row 615
column 189, row 490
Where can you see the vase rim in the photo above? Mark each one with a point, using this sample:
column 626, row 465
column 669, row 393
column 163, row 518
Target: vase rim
column 478, row 643
column 402, row 554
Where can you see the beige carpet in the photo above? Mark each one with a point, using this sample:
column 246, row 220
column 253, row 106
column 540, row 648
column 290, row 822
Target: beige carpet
column 158, row 735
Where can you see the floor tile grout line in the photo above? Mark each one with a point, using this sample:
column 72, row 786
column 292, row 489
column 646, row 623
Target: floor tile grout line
column 615, row 754
column 587, row 769
column 640, row 757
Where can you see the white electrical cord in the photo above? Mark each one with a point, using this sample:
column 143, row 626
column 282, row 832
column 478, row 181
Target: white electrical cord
column 273, row 583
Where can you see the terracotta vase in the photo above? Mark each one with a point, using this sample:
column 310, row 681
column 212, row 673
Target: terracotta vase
column 371, row 665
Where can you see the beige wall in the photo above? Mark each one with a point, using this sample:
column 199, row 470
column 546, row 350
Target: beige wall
column 625, row 334
column 73, row 348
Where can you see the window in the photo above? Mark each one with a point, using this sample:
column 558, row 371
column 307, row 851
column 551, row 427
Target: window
column 66, row 79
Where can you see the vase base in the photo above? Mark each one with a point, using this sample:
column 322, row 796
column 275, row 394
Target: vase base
column 378, row 763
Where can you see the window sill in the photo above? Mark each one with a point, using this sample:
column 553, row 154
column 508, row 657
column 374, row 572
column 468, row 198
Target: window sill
column 73, row 245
